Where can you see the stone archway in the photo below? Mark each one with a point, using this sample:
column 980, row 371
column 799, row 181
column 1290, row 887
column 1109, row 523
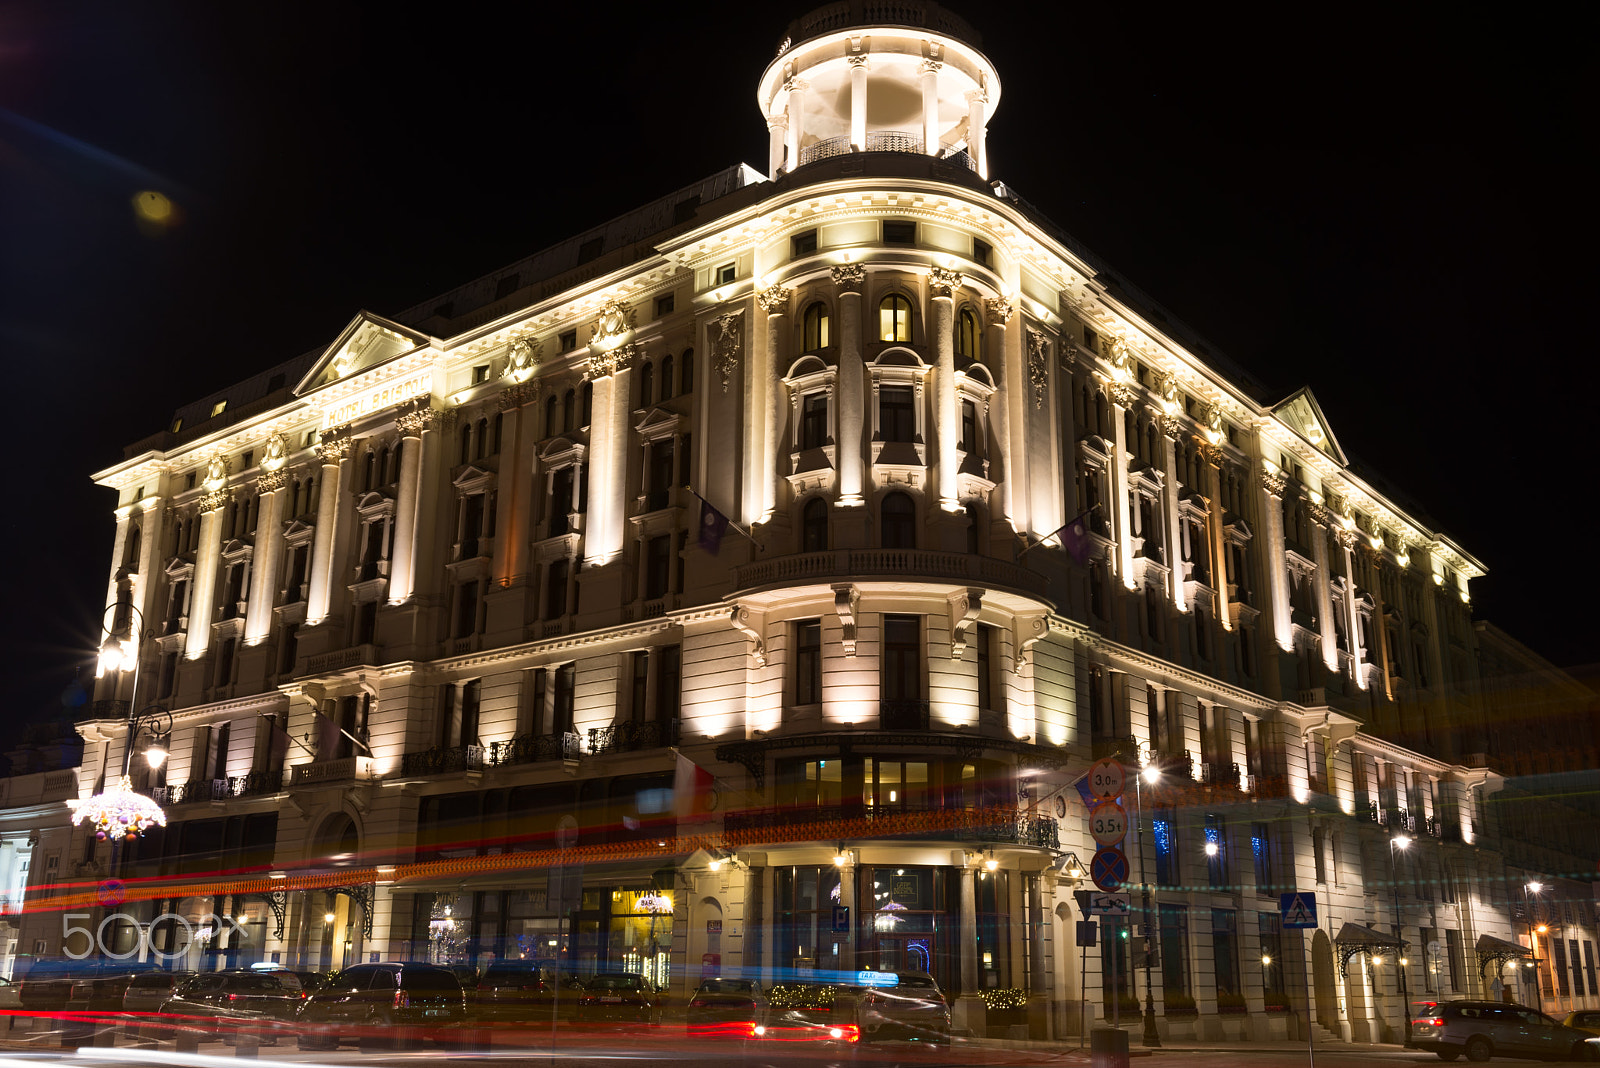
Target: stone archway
column 1323, row 983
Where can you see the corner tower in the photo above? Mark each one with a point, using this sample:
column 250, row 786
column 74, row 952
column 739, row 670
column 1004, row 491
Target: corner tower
column 864, row 77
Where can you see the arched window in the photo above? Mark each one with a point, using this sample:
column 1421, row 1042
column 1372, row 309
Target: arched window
column 466, row 442
column 814, row 526
column 894, row 318
column 897, row 527
column 587, row 406
column 974, row 525
column 130, row 554
column 647, row 378
column 816, row 327
column 666, row 377
column 969, row 340
column 550, row 403
column 569, row 411
column 688, row 371
column 483, row 437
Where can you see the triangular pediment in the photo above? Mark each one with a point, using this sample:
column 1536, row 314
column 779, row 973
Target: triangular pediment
column 1301, row 413
column 657, row 421
column 368, row 341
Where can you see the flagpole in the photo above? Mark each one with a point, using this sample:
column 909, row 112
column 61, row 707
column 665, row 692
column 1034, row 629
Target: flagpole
column 1087, row 511
column 742, row 531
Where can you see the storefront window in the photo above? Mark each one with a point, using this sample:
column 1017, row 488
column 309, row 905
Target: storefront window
column 994, row 928
column 806, row 941
column 896, row 783
column 811, row 782
column 1174, row 931
column 641, row 933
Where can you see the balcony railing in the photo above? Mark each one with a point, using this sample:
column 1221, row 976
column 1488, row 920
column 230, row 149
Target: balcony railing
column 1219, row 773
column 439, row 760
column 624, row 737
column 964, row 825
column 196, row 790
column 532, row 748
column 331, row 771
column 904, row 714
column 340, row 659
column 106, row 710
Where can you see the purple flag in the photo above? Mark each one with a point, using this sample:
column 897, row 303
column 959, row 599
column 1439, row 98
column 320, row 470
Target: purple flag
column 713, row 525
column 1074, row 536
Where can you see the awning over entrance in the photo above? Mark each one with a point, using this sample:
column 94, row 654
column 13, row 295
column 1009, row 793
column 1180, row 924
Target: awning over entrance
column 1354, row 938
column 1497, row 951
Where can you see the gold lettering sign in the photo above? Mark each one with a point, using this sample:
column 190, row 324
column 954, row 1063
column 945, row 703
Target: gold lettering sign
column 378, row 399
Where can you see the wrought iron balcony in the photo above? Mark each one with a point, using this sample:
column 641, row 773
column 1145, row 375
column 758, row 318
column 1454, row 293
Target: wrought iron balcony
column 962, row 825
column 439, row 760
column 904, row 714
column 624, row 737
column 532, row 748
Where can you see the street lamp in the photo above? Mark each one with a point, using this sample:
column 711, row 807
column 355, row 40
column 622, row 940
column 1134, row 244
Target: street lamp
column 1400, row 841
column 119, row 812
column 1151, row 774
column 1534, row 887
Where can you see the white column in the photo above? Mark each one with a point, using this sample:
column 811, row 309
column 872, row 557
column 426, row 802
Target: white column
column 402, row 559
column 942, row 286
column 267, row 559
column 334, row 448
column 797, row 92
column 1322, row 588
column 1277, row 577
column 977, row 130
column 852, row 386
column 204, row 597
column 999, row 314
column 930, row 106
column 1217, row 547
column 777, row 137
column 1121, row 515
column 858, row 103
column 1347, row 541
column 1169, row 500
column 1015, row 397
column 775, row 302
column 608, row 472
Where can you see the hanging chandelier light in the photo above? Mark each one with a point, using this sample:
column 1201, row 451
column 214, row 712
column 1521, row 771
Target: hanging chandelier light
column 118, row 813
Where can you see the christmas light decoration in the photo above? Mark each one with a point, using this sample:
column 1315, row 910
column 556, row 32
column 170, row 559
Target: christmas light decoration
column 118, row 813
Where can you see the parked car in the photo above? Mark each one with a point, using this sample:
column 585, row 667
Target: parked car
column 80, row 985
column 388, row 1004
column 618, row 996
column 311, row 982
column 1484, row 1029
column 1584, row 1021
column 523, row 991
column 731, row 1008
column 227, row 1003
column 895, row 1005
column 145, row 997
column 10, row 995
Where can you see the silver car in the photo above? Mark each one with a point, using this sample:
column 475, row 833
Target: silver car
column 1484, row 1029
column 895, row 1005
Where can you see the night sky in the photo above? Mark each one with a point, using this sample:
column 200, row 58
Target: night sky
column 1386, row 206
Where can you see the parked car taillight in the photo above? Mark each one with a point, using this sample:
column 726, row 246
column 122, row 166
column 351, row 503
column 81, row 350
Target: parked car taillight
column 1437, row 1021
column 699, row 1003
column 402, row 1000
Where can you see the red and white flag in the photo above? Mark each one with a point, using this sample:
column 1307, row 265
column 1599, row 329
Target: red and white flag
column 691, row 788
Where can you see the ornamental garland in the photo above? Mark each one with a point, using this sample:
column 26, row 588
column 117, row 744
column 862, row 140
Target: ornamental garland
column 119, row 812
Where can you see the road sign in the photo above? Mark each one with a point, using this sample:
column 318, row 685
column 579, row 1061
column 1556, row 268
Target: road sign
column 1108, row 823
column 111, row 893
column 1087, row 929
column 841, row 917
column 1104, row 904
column 1106, row 778
column 1109, row 869
column 1299, row 910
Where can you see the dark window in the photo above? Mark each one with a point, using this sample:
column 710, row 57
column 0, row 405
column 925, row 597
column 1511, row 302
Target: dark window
column 664, row 305
column 1216, row 850
column 969, row 427
column 688, row 371
column 669, row 681
column 902, row 658
column 555, row 592
column 1174, row 933
column 1269, row 926
column 561, row 501
column 566, row 686
column 725, row 274
column 815, row 327
column 803, row 244
column 808, row 662
column 551, row 407
column 640, row 689
column 1261, row 851
column 897, row 418
column 466, row 610
column 658, row 491
column 647, row 381
column 684, row 209
column 569, row 410
column 586, row 404
column 1163, row 831
column 567, row 340
column 666, row 378
column 984, row 639
column 814, row 526
column 898, row 523
column 814, row 420
column 899, row 232
column 894, row 318
column 1225, row 951
column 657, row 570
column 981, row 251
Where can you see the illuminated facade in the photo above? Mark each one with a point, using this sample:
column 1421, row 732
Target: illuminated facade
column 433, row 605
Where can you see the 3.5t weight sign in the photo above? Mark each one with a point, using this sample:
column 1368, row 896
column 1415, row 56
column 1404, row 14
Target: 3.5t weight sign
column 1108, row 823
column 94, row 938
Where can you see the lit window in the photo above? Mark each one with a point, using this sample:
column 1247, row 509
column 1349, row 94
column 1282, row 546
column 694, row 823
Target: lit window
column 968, row 337
column 816, row 327
column 894, row 319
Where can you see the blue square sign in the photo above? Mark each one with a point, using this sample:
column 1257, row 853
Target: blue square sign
column 1299, row 910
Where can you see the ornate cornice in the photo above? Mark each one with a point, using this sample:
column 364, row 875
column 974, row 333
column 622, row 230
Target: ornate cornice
column 334, row 444
column 1123, row 396
column 1000, row 309
column 412, row 422
column 1038, row 366
column 727, row 344
column 944, row 282
column 515, row 396
column 849, row 277
column 1273, row 482
column 272, row 480
column 774, row 300
column 609, row 362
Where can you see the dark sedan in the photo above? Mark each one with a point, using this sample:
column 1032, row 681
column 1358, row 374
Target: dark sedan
column 379, row 1005
column 618, row 996
column 230, row 1004
column 727, row 1008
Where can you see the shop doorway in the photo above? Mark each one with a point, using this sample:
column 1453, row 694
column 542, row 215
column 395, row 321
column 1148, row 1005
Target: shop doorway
column 901, row 953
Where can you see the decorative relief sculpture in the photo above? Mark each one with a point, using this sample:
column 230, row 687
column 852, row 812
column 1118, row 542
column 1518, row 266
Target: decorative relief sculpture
column 607, row 362
column 1169, row 392
column 1210, row 453
column 1273, row 482
column 522, row 360
column 272, row 479
column 216, row 474
column 615, row 319
column 944, row 282
column 1214, row 430
column 1000, row 309
column 849, row 277
column 1122, row 395
column 334, row 445
column 727, row 341
column 1038, row 365
column 749, row 623
column 276, row 453
column 518, row 394
column 846, row 602
column 1121, row 358
column 774, row 300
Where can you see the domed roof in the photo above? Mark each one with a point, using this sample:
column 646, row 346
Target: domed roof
column 844, row 14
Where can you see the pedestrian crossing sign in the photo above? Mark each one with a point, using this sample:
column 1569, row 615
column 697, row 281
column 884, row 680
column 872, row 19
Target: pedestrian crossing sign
column 1299, row 910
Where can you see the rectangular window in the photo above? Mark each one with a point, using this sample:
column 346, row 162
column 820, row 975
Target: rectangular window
column 1225, row 952
column 1452, row 941
column 902, row 658
column 664, row 306
column 811, row 782
column 1162, row 831
column 814, row 420
column 808, row 662
column 565, row 688
column 1261, row 849
column 969, row 427
column 899, row 232
column 896, row 414
column 1577, row 968
column 985, row 644
column 895, row 783
column 981, row 251
column 1559, row 953
column 1174, row 933
column 1588, row 966
column 1271, row 931
column 1318, row 844
column 803, row 244
column 658, row 566
column 638, row 692
column 1216, row 850
column 669, row 682
column 724, row 274
column 567, row 340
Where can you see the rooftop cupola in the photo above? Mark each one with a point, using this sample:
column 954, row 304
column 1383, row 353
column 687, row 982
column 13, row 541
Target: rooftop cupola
column 870, row 76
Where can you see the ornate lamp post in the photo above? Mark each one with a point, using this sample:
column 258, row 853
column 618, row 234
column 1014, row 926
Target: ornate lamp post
column 119, row 812
column 1400, row 841
column 1535, row 887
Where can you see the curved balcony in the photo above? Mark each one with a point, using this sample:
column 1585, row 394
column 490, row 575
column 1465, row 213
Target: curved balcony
column 899, row 141
column 962, row 569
